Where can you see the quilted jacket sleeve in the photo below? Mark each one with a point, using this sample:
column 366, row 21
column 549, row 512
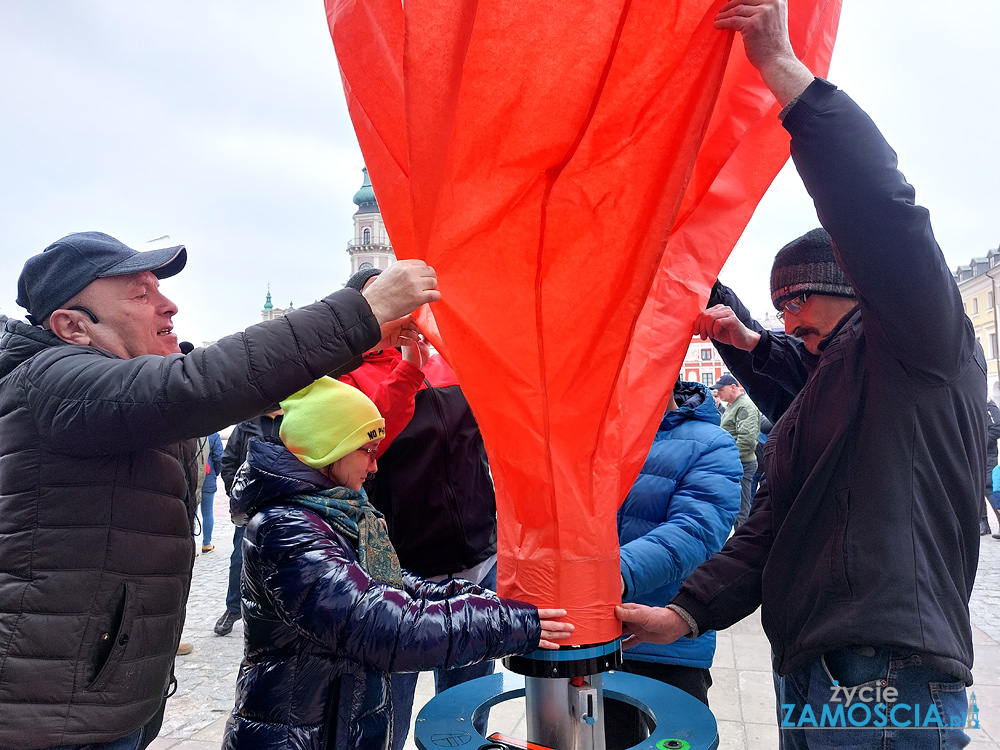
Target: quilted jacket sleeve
column 698, row 516
column 87, row 403
column 312, row 576
column 727, row 588
column 420, row 587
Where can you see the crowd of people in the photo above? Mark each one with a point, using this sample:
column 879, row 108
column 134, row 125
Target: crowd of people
column 365, row 544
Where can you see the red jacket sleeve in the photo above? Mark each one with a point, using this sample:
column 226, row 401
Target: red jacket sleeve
column 392, row 388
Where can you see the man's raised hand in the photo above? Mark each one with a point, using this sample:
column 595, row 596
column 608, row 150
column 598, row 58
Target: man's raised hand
column 400, row 289
column 764, row 26
column 720, row 323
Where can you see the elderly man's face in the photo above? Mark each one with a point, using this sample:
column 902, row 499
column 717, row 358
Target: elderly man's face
column 134, row 317
column 729, row 393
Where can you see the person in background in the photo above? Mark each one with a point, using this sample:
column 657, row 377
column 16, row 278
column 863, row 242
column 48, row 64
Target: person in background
column 329, row 611
column 209, row 451
column 741, row 419
column 758, row 476
column 995, row 495
column 212, row 446
column 992, row 434
column 264, row 426
column 677, row 515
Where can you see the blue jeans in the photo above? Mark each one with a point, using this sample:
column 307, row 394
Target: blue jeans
column 131, row 742
column 866, row 698
column 207, row 516
column 404, row 684
column 235, row 568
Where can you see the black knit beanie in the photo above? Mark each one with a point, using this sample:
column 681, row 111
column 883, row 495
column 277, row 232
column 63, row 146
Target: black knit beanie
column 360, row 277
column 808, row 265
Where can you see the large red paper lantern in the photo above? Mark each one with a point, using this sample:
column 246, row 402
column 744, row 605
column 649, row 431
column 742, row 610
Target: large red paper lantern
column 577, row 173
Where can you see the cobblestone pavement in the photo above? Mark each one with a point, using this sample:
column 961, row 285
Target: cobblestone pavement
column 195, row 717
column 206, row 679
column 985, row 604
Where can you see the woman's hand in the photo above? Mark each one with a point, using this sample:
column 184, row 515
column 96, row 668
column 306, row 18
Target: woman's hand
column 552, row 630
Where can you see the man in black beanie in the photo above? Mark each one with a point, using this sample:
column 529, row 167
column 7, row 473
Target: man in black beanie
column 861, row 549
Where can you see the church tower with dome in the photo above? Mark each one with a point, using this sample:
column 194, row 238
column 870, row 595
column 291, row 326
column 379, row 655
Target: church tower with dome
column 370, row 246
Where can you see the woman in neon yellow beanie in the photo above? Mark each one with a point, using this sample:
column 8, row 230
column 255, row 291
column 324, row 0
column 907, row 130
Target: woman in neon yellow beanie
column 329, row 614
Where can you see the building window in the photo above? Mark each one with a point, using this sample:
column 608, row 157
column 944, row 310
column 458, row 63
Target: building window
column 993, row 346
column 366, row 237
column 708, row 379
column 706, row 356
column 975, row 305
column 989, row 300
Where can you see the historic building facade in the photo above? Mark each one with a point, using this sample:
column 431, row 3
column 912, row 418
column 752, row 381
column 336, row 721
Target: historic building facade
column 370, row 246
column 270, row 312
column 977, row 283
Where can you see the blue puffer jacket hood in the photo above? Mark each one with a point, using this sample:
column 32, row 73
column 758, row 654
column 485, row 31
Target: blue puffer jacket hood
column 679, row 513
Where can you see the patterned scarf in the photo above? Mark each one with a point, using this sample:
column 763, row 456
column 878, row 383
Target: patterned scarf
column 351, row 514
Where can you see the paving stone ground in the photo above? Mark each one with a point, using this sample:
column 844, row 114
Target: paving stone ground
column 742, row 695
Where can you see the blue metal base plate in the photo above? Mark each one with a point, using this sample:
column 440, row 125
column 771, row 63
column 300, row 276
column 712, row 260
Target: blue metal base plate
column 446, row 720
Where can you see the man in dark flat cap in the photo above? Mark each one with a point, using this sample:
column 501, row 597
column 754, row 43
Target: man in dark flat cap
column 99, row 412
column 741, row 420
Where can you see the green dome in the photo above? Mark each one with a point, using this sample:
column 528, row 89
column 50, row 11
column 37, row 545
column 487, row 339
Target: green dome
column 365, row 194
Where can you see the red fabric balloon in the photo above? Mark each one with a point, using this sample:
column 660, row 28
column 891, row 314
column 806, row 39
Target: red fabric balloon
column 576, row 173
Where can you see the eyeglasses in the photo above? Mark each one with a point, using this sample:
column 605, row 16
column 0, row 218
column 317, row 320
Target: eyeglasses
column 794, row 305
column 370, row 451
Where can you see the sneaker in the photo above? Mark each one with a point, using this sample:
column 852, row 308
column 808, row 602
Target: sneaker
column 184, row 648
column 984, row 528
column 224, row 625
column 206, row 548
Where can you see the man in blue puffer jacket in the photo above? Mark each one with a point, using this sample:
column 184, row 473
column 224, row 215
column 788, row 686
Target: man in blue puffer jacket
column 676, row 516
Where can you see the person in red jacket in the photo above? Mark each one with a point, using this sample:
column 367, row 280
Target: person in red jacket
column 433, row 483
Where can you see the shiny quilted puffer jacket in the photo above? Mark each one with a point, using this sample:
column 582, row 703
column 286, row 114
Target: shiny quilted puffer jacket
column 322, row 637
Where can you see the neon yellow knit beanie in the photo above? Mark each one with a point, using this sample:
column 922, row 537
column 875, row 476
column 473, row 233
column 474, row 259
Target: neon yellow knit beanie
column 327, row 420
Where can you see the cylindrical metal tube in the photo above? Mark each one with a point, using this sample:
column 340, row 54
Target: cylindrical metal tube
column 563, row 715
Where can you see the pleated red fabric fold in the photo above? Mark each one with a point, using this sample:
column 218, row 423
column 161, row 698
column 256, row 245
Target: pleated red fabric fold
column 577, row 174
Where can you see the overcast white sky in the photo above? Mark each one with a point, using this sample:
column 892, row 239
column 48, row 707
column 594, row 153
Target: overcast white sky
column 223, row 124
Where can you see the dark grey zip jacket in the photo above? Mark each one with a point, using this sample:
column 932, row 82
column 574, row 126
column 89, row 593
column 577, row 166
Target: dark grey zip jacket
column 867, row 531
column 97, row 465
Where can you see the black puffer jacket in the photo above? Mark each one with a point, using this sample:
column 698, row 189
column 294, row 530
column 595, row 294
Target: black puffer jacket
column 867, row 530
column 96, row 466
column 321, row 636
